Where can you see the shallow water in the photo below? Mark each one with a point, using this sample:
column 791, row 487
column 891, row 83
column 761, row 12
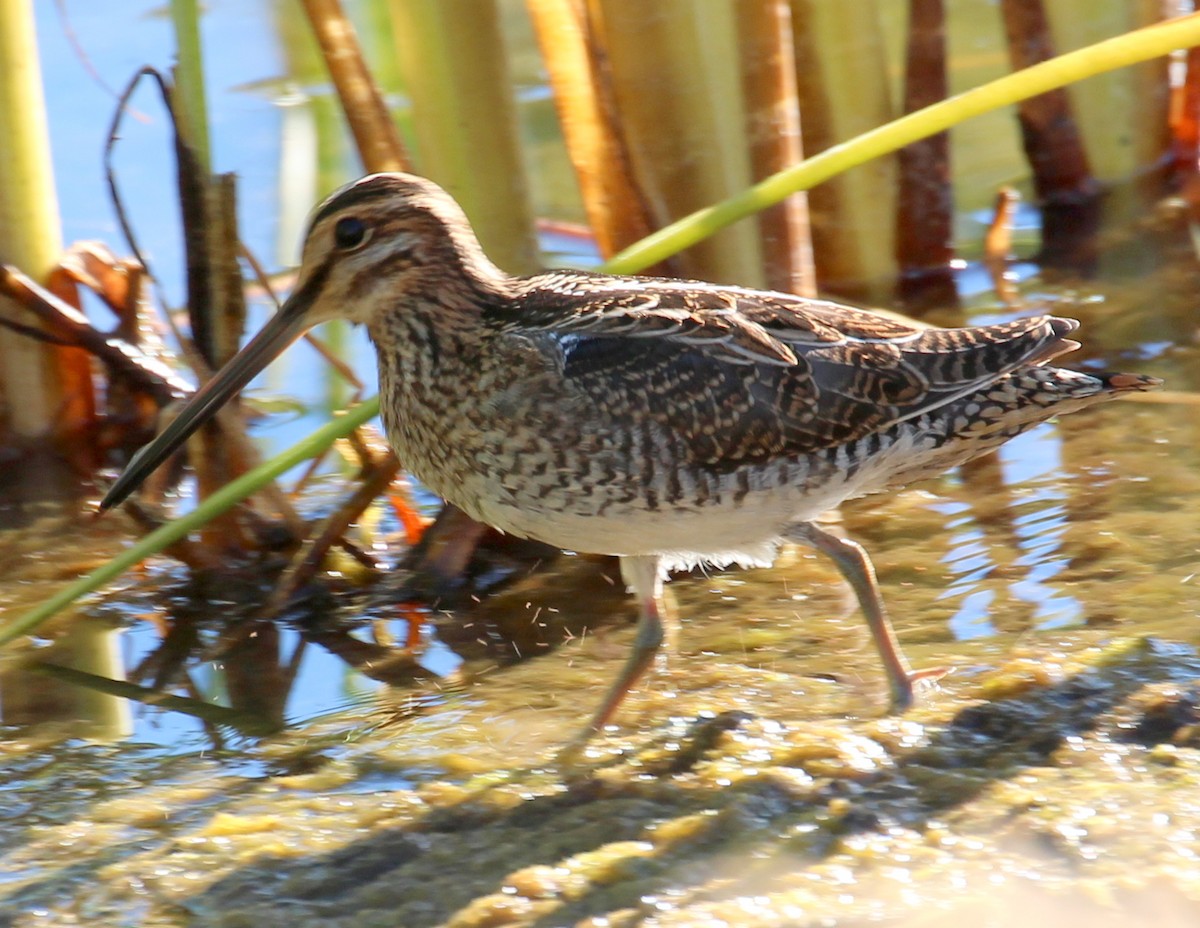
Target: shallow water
column 1084, row 523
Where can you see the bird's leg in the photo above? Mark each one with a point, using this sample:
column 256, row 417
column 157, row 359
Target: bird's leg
column 642, row 575
column 852, row 560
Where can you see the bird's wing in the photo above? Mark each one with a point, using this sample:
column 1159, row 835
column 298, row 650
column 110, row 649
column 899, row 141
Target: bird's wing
column 738, row 375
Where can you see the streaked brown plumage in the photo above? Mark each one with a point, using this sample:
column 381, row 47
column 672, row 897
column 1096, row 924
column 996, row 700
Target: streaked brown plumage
column 667, row 422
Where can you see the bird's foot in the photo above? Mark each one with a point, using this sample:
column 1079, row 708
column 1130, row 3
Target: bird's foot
column 904, row 688
column 570, row 754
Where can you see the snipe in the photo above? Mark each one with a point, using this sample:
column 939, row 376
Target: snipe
column 668, row 422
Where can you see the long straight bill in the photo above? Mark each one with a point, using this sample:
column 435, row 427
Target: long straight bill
column 284, row 328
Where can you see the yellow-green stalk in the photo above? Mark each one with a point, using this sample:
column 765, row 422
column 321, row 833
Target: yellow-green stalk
column 30, row 234
column 675, row 73
column 454, row 63
column 768, row 66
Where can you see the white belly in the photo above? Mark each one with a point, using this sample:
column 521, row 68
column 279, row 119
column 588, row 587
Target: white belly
column 719, row 533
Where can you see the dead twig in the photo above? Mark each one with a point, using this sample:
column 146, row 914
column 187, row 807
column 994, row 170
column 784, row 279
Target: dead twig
column 997, row 245
column 69, row 326
column 374, row 132
column 305, row 564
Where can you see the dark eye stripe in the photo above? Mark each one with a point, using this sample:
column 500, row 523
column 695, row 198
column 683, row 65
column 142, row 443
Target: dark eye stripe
column 362, row 192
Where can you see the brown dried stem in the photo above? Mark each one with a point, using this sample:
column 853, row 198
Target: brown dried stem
column 375, row 134
column 768, row 66
column 1048, row 131
column 925, row 213
column 305, row 564
column 70, row 326
column 616, row 209
column 997, row 245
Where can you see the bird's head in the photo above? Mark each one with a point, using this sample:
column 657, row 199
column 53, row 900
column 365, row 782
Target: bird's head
column 383, row 241
column 375, row 246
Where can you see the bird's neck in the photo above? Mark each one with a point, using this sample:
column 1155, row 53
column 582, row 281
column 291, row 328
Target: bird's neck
column 473, row 268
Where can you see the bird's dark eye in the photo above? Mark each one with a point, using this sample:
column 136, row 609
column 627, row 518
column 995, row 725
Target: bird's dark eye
column 350, row 232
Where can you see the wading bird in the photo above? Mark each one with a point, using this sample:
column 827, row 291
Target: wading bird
column 668, row 422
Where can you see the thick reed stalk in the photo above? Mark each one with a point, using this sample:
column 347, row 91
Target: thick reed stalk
column 675, row 74
column 454, row 63
column 844, row 94
column 616, row 212
column 1122, row 115
column 925, row 213
column 768, row 66
column 30, row 235
column 1049, row 133
column 374, row 132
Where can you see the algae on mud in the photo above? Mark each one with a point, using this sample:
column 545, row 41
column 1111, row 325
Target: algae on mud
column 1074, row 799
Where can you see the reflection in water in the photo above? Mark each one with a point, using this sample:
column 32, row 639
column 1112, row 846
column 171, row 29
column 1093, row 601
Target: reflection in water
column 29, row 700
column 1006, row 540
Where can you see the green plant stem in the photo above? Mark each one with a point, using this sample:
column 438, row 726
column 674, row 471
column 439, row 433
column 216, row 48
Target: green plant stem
column 1118, row 52
column 189, row 80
